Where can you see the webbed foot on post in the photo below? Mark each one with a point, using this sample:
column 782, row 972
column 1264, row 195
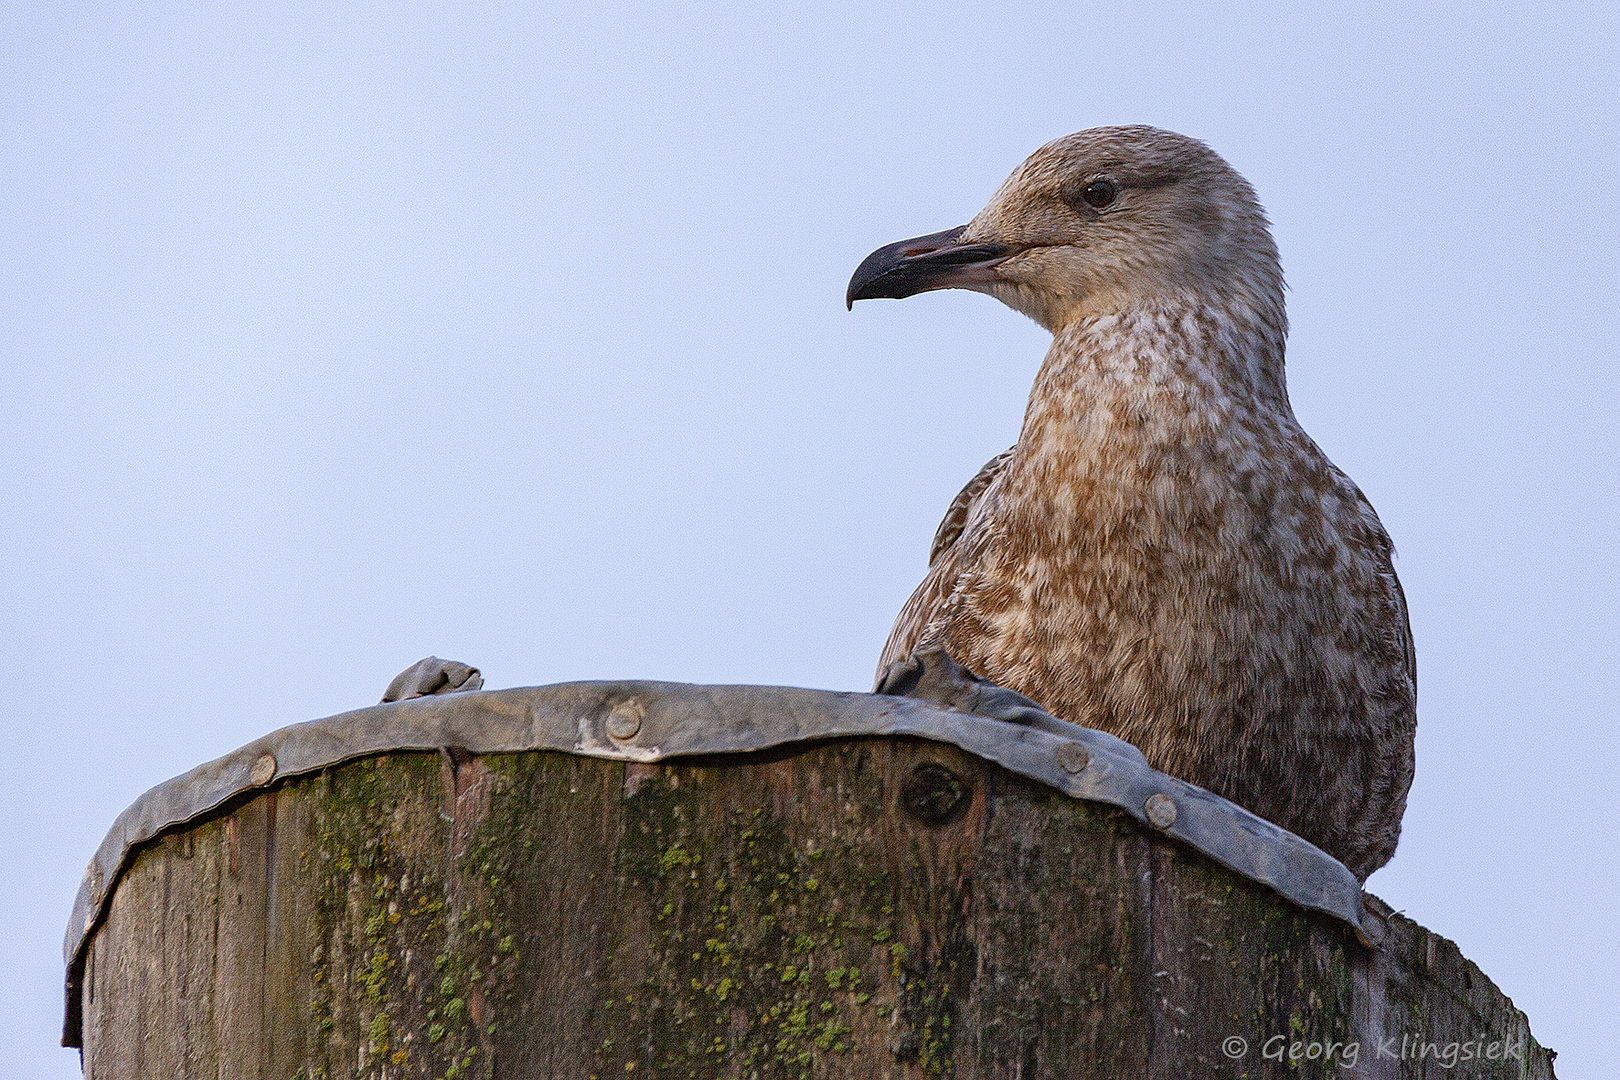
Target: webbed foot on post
column 931, row 675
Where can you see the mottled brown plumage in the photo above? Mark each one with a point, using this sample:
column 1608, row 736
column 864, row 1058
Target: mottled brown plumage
column 1165, row 554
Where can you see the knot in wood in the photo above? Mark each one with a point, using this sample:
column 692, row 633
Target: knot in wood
column 933, row 795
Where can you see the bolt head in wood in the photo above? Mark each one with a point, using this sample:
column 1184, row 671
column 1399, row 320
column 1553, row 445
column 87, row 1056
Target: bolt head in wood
column 1073, row 757
column 264, row 770
column 1160, row 810
column 625, row 720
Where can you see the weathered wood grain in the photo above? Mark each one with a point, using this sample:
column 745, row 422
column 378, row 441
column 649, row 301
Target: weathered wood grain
column 856, row 908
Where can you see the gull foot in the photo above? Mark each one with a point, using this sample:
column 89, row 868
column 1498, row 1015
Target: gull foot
column 431, row 675
column 931, row 675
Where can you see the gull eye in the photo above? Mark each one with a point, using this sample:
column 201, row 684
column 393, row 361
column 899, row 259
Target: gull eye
column 1099, row 193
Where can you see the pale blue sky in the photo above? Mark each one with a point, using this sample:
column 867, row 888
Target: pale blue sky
column 337, row 336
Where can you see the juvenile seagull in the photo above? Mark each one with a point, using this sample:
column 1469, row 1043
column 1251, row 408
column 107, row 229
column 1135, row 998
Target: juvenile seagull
column 1165, row 554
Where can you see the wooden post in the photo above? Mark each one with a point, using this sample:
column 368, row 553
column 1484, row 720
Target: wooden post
column 864, row 907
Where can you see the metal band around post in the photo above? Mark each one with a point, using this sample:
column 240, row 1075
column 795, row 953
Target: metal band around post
column 655, row 721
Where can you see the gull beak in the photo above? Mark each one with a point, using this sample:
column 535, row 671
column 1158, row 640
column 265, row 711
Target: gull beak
column 936, row 261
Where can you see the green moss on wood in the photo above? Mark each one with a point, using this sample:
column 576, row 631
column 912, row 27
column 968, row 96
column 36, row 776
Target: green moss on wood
column 780, row 918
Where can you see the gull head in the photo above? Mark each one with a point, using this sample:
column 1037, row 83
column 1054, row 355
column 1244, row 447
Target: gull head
column 1095, row 222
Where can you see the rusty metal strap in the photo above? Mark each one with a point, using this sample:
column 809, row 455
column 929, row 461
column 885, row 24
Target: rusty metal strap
column 653, row 721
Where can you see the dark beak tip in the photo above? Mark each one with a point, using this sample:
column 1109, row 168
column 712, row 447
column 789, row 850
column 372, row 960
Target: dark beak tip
column 904, row 269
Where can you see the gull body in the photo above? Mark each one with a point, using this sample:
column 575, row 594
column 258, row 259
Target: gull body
column 1165, row 554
